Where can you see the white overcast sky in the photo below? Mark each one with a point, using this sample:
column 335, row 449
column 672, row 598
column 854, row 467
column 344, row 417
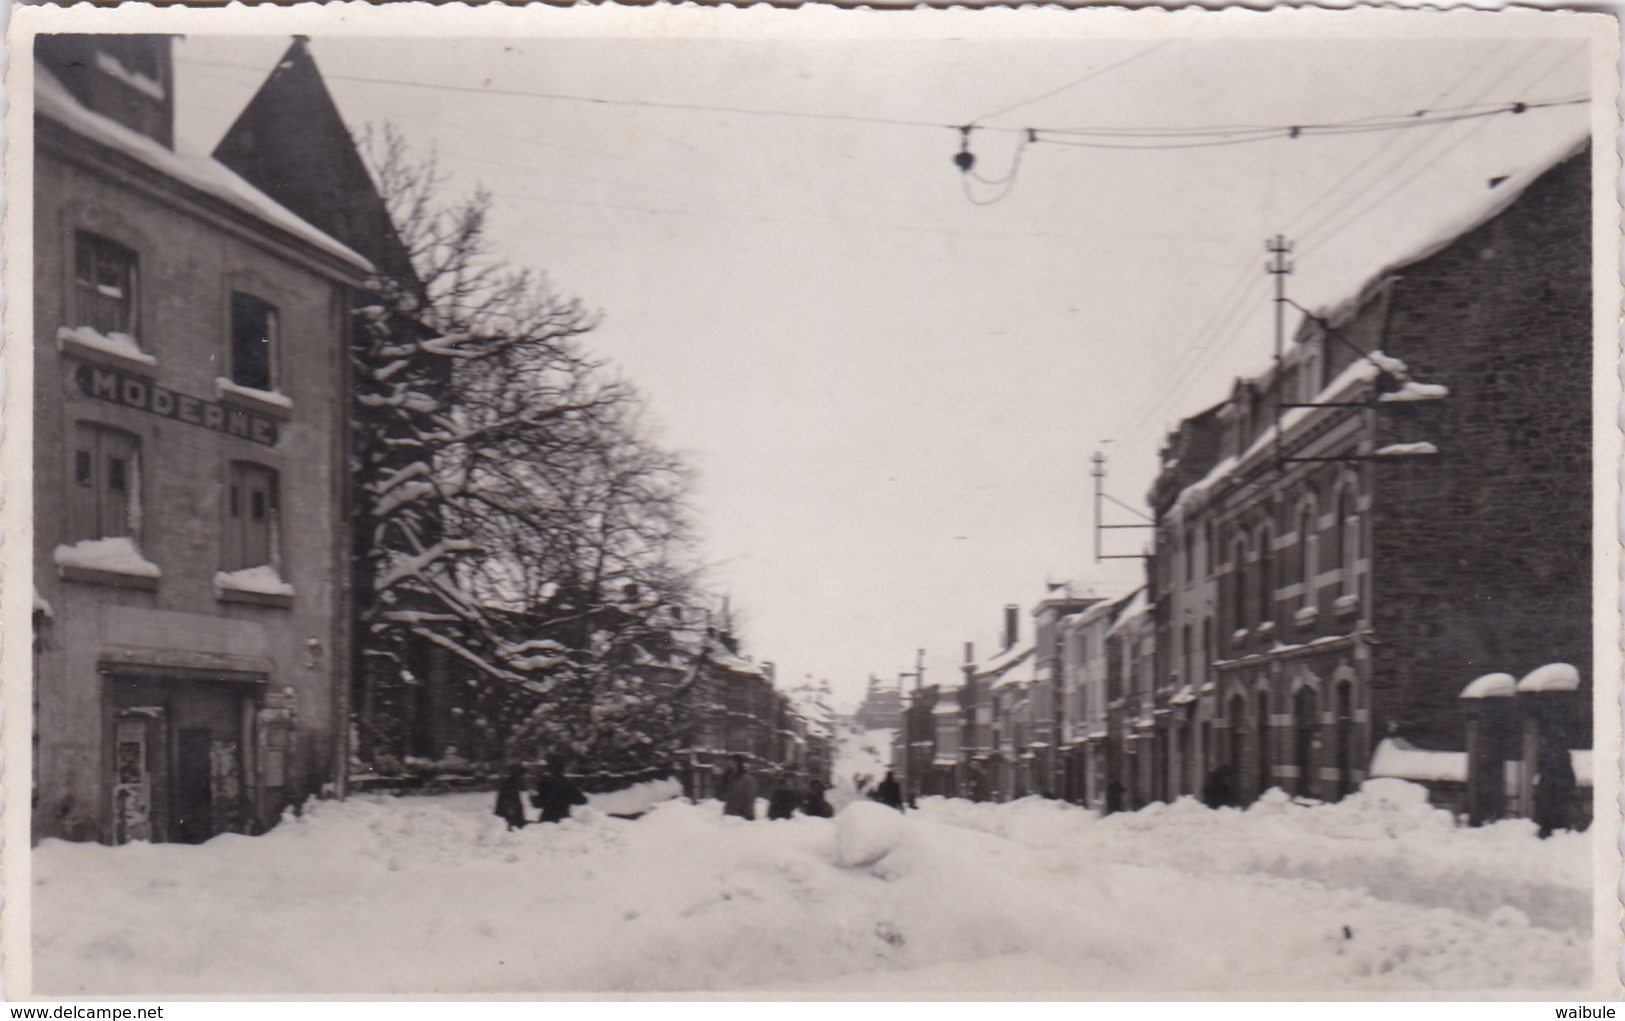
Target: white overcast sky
column 891, row 393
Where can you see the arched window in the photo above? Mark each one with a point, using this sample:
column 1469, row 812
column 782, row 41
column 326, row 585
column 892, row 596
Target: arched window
column 1348, row 539
column 1266, row 576
column 1238, row 583
column 1307, row 542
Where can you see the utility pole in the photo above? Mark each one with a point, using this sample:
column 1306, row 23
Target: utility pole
column 1097, row 470
column 1278, row 267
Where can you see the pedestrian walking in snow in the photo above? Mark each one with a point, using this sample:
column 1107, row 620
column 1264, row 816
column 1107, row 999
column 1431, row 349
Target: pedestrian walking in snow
column 1114, row 797
column 782, row 803
column 511, row 798
column 556, row 794
column 815, row 804
column 1554, row 788
column 1220, row 788
column 739, row 791
column 889, row 793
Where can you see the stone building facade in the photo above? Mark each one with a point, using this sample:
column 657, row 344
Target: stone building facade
column 190, row 489
column 1400, row 505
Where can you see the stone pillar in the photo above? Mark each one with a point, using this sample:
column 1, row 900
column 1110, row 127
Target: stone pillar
column 1492, row 735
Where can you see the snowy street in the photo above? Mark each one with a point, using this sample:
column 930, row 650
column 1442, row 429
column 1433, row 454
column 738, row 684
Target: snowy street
column 431, row 895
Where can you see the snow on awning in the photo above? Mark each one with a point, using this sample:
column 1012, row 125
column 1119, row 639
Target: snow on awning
column 1491, row 686
column 1184, row 696
column 1551, row 677
column 1398, row 758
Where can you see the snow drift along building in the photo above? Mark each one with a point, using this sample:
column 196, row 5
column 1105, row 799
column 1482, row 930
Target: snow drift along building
column 192, row 626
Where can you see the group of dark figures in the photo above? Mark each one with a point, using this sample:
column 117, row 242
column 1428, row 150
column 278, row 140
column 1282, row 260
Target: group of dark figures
column 555, row 795
column 739, row 791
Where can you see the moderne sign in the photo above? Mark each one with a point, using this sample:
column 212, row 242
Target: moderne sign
column 130, row 392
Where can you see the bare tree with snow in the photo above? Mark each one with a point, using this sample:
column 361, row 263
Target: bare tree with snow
column 520, row 541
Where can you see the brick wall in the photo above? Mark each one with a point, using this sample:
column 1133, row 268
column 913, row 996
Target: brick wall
column 1482, row 556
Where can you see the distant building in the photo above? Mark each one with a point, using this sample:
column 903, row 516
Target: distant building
column 191, row 493
column 882, row 706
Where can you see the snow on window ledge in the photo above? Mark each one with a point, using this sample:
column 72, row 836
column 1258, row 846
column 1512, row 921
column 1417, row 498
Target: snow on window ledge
column 1346, row 604
column 113, row 561
column 1306, row 615
column 260, row 585
column 247, row 396
column 119, row 349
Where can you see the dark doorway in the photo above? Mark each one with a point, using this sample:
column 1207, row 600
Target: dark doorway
column 194, row 821
column 1345, row 739
column 1238, row 738
column 1261, row 734
column 1303, row 716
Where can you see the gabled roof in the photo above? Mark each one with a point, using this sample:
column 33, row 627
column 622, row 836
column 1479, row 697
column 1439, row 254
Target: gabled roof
column 291, row 142
column 201, row 174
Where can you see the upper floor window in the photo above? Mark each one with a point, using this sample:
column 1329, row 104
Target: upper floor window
column 104, row 284
column 253, row 341
column 1190, row 554
column 1348, row 539
column 1266, row 577
column 105, row 495
column 1306, row 553
column 252, row 512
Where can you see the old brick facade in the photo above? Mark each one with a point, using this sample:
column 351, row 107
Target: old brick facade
column 189, row 480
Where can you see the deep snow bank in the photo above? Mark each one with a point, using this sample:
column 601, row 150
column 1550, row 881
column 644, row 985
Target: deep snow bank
column 431, row 895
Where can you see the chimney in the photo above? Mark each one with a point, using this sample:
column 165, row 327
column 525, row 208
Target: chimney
column 970, row 653
column 1012, row 622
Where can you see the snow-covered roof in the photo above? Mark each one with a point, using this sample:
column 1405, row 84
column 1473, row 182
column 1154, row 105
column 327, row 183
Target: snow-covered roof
column 1551, row 677
column 1004, row 660
column 1490, row 686
column 52, row 100
column 1135, row 607
column 1397, row 757
column 1499, row 199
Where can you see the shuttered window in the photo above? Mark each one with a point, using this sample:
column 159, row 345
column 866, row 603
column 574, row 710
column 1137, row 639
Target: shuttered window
column 104, row 498
column 252, row 513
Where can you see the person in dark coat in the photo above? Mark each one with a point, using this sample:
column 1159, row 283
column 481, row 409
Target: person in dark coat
column 815, row 804
column 738, row 791
column 1554, row 789
column 1114, row 797
column 556, row 794
column 1220, row 788
column 782, row 803
column 889, row 793
column 511, row 798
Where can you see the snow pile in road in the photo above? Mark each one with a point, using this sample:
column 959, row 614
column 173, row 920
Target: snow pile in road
column 865, row 753
column 432, row 895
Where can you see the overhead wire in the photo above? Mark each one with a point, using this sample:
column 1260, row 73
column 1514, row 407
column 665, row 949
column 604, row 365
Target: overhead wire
column 1209, row 349
column 1076, row 82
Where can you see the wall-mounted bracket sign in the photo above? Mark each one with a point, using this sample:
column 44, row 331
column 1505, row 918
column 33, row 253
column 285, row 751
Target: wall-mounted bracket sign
column 143, row 395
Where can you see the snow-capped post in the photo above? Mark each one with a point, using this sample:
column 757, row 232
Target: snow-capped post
column 1553, row 712
column 520, row 544
column 1492, row 733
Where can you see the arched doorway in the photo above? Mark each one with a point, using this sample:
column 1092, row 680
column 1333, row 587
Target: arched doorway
column 1261, row 738
column 1238, row 737
column 1303, row 718
column 1345, row 738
